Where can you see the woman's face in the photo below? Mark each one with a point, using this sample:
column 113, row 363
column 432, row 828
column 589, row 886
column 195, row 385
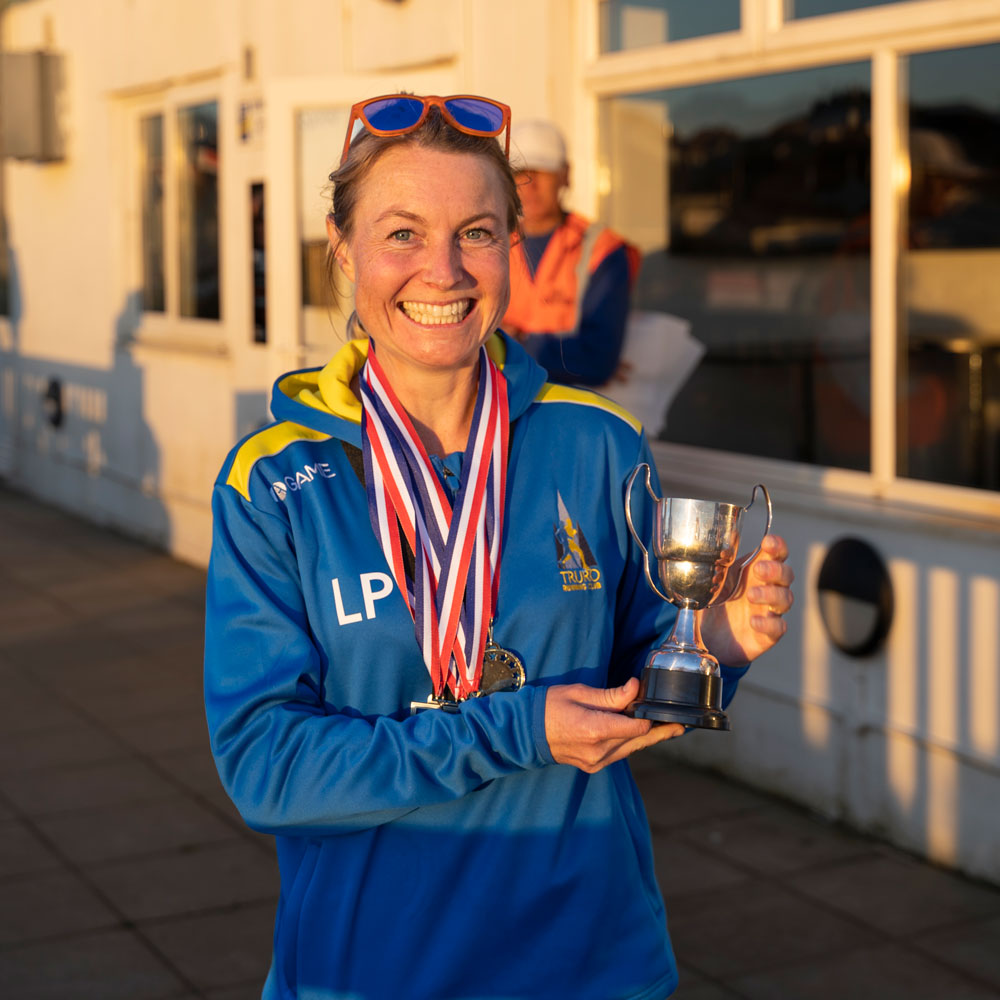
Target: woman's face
column 428, row 255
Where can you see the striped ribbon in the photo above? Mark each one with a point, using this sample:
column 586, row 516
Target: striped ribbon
column 453, row 593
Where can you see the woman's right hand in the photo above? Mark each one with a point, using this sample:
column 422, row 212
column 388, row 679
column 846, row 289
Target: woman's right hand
column 585, row 726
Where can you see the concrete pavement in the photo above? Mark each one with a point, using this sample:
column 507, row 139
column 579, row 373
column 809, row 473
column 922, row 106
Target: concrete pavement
column 125, row 873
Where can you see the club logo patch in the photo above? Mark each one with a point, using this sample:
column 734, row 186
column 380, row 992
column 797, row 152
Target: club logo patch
column 577, row 566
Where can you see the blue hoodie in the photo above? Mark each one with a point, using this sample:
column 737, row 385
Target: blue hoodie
column 434, row 856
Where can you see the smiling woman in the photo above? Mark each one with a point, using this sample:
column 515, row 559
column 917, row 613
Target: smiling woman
column 438, row 746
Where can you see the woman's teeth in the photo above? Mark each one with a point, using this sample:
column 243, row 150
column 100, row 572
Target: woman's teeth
column 436, row 314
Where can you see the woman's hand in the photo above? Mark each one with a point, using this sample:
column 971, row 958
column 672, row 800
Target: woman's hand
column 750, row 623
column 585, row 727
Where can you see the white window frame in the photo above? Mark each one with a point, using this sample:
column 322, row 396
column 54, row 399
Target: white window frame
column 767, row 44
column 169, row 329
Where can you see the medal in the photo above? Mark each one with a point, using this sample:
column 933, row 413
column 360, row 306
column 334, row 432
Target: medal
column 452, row 595
column 502, row 670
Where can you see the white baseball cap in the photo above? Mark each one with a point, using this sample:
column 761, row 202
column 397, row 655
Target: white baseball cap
column 537, row 145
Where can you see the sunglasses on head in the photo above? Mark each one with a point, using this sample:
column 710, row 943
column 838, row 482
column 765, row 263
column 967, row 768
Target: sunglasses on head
column 397, row 114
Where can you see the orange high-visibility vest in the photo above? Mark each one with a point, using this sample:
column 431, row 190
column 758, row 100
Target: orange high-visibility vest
column 549, row 301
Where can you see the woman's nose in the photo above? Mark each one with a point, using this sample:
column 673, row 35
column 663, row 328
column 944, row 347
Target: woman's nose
column 443, row 264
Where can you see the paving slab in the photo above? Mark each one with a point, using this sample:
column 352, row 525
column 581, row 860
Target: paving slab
column 67, row 645
column 683, row 868
column 186, row 882
column 216, row 950
column 248, row 991
column 134, row 830
column 185, row 729
column 22, row 852
column 703, row 991
column 777, row 840
column 974, row 948
column 114, row 965
column 161, row 617
column 96, row 669
column 898, row 894
column 68, row 745
column 108, row 783
column 26, row 616
column 693, row 796
column 26, row 706
column 62, row 567
column 101, row 592
column 757, row 926
column 887, row 973
column 50, row 904
column 192, row 767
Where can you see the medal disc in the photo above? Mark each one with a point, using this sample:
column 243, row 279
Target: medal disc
column 502, row 670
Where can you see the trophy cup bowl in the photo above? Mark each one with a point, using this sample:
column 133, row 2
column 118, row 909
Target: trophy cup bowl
column 695, row 543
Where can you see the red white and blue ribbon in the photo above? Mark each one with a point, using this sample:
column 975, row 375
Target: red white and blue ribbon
column 453, row 593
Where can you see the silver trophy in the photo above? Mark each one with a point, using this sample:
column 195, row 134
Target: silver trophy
column 695, row 543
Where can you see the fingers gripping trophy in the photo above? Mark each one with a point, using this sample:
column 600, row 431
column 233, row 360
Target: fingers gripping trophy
column 695, row 543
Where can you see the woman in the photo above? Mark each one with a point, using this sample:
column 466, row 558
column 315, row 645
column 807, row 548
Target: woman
column 426, row 520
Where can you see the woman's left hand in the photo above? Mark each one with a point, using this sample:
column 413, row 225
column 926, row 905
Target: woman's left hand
column 750, row 623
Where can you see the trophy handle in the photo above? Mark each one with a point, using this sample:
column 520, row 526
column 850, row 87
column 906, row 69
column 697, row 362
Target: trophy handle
column 734, row 578
column 631, row 526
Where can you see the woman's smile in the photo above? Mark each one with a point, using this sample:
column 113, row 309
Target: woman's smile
column 437, row 313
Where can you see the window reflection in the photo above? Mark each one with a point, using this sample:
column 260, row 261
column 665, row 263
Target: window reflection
column 795, row 9
column 634, row 24
column 198, row 200
column 750, row 199
column 321, row 133
column 259, row 265
column 151, row 140
column 950, row 378
column 320, row 137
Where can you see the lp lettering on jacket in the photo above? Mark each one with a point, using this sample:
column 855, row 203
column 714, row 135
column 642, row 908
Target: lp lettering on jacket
column 374, row 586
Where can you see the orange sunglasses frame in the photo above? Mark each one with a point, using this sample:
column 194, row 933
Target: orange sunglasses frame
column 358, row 114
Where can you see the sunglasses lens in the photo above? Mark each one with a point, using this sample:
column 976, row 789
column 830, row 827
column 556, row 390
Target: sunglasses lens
column 472, row 113
column 393, row 113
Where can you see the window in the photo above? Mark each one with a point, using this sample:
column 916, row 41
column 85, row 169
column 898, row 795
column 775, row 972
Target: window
column 151, row 139
column 198, row 205
column 633, row 24
column 750, row 200
column 325, row 306
column 318, row 132
column 259, row 263
column 177, row 191
column 4, row 279
column 949, row 421
column 795, row 9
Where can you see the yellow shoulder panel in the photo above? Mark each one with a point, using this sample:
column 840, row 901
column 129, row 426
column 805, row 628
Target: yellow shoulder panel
column 262, row 445
column 497, row 350
column 551, row 393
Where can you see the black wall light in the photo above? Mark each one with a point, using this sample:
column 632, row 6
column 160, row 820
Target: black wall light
column 52, row 402
column 855, row 597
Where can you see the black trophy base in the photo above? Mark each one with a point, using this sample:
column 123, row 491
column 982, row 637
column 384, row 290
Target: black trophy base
column 692, row 699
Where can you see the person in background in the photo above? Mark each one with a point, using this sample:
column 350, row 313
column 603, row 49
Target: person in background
column 576, row 334
column 426, row 617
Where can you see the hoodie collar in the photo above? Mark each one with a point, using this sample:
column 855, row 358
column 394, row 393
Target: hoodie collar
column 321, row 398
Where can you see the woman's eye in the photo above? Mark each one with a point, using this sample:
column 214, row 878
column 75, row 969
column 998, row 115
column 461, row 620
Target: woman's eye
column 401, row 236
column 477, row 235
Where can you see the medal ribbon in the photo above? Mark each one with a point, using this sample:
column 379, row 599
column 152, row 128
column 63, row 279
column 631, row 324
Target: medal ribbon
column 456, row 550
